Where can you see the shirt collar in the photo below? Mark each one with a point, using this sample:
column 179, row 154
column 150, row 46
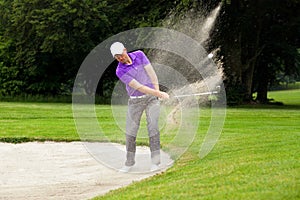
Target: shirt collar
column 132, row 56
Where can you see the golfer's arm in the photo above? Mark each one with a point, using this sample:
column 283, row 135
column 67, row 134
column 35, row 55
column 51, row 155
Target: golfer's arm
column 144, row 89
column 150, row 71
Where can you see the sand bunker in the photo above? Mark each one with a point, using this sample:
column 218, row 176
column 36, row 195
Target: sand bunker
column 52, row 170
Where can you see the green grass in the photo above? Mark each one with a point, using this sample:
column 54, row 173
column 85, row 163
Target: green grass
column 288, row 97
column 256, row 157
column 36, row 121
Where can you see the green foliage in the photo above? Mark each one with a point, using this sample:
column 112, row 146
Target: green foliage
column 135, row 13
column 10, row 85
column 234, row 94
column 258, row 40
column 280, row 59
column 43, row 42
column 50, row 40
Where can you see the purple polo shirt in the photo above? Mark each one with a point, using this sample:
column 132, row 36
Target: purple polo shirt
column 136, row 70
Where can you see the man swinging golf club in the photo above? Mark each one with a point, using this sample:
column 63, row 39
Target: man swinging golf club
column 136, row 72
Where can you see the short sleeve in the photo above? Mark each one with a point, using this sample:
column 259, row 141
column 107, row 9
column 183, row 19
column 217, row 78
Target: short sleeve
column 145, row 60
column 124, row 77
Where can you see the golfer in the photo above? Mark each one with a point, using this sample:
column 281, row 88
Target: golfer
column 136, row 72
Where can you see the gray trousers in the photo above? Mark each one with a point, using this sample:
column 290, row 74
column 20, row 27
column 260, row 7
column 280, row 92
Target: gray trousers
column 136, row 107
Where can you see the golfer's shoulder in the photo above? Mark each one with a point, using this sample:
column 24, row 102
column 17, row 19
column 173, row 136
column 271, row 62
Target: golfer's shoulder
column 120, row 70
column 138, row 53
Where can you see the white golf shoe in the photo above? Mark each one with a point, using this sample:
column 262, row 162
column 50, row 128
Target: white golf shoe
column 154, row 168
column 125, row 169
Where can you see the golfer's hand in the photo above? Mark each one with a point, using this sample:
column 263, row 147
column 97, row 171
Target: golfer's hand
column 163, row 95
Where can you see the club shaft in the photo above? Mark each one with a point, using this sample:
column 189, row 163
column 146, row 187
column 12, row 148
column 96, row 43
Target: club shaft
column 197, row 94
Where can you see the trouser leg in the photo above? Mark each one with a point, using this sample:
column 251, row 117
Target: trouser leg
column 155, row 149
column 152, row 113
column 134, row 113
column 130, row 150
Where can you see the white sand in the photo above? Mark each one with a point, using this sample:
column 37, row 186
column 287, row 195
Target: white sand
column 61, row 171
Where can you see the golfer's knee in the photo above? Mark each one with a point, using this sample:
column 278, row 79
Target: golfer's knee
column 153, row 132
column 132, row 130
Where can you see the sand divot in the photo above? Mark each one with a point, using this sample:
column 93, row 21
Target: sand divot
column 52, row 170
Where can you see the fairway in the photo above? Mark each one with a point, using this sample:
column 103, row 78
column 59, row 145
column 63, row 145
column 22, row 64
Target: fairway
column 256, row 157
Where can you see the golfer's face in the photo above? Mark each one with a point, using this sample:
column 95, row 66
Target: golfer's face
column 123, row 58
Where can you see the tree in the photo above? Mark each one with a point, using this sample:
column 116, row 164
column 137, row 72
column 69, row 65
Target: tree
column 43, row 42
column 281, row 54
column 240, row 42
column 51, row 38
column 258, row 40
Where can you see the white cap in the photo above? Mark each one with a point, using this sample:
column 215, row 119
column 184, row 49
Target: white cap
column 116, row 48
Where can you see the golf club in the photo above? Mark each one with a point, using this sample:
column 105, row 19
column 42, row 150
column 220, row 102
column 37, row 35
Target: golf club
column 200, row 94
